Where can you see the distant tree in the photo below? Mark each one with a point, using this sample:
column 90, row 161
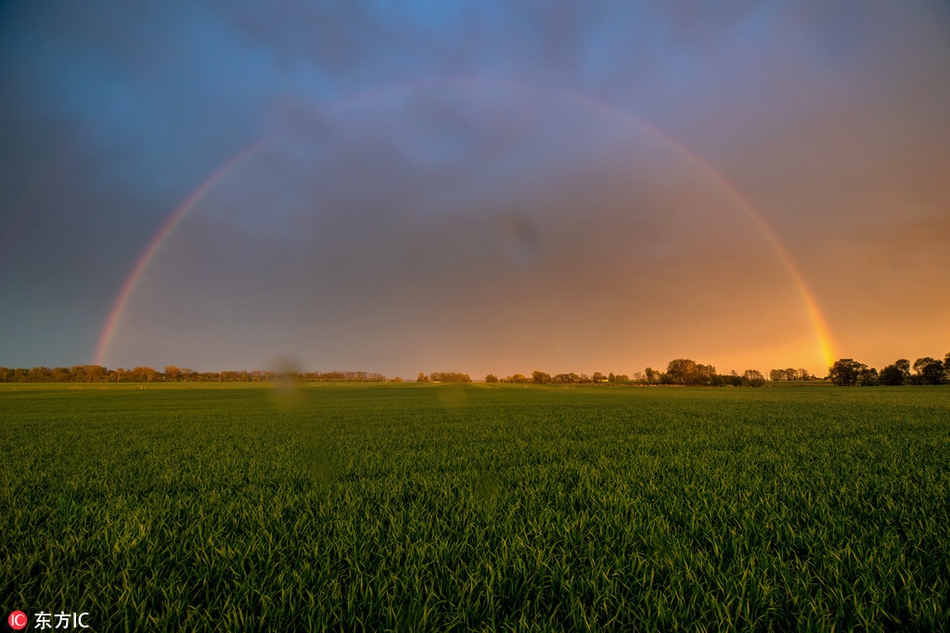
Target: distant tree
column 172, row 373
column 651, row 376
column 422, row 378
column 704, row 374
column 681, row 371
column 143, row 374
column 753, row 378
column 598, row 377
column 928, row 370
column 867, row 377
column 789, row 374
column 540, row 378
column 904, row 366
column 491, row 378
column 449, row 376
column 891, row 375
column 845, row 372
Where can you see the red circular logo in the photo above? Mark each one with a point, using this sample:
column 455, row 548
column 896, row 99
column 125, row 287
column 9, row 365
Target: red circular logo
column 17, row 620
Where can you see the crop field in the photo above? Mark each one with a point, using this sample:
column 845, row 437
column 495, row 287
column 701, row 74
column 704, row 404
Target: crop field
column 477, row 507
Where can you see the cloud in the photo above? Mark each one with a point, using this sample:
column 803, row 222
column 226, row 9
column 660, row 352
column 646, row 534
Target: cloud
column 425, row 165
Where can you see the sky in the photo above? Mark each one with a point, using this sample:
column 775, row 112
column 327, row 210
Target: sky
column 503, row 187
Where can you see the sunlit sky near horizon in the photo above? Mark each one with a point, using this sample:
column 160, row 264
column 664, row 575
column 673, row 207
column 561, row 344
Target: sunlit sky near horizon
column 480, row 187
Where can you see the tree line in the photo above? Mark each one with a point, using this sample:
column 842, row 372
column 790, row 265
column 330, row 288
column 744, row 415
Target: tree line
column 680, row 371
column 98, row 373
column 847, row 372
column 443, row 376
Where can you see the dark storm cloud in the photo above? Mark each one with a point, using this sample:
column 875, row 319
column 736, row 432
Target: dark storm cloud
column 425, row 171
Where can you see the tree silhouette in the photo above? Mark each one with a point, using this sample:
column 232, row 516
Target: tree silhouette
column 845, row 372
column 892, row 375
column 929, row 370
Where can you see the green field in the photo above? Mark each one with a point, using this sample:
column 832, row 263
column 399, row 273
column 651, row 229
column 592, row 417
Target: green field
column 442, row 507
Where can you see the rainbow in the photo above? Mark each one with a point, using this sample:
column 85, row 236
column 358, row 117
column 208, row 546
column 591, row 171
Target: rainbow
column 825, row 342
column 823, row 336
column 822, row 332
column 167, row 228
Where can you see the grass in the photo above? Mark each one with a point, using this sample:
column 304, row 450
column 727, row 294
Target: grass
column 443, row 507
